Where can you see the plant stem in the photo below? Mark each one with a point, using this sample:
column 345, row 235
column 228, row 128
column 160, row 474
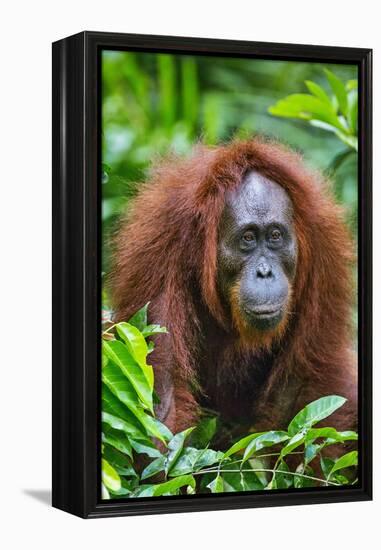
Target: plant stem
column 212, row 471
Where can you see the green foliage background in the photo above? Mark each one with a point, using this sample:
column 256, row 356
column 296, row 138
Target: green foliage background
column 155, row 103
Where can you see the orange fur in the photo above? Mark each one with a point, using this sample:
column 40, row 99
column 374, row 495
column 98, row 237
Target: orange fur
column 166, row 253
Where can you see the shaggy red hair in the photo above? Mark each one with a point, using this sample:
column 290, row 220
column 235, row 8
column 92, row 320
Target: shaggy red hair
column 166, row 254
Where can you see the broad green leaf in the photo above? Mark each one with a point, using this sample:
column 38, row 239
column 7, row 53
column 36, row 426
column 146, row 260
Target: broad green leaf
column 297, row 440
column 241, row 444
column 105, row 493
column 281, row 479
column 311, row 451
column 217, row 485
column 110, row 477
column 151, row 330
column 161, row 428
column 306, row 107
column 314, row 412
column 119, row 424
column 139, row 319
column 120, row 462
column 175, row 447
column 265, row 440
column 120, row 355
column 137, row 346
column 104, row 360
column 113, row 406
column 330, row 433
column 204, row 432
column 116, row 439
column 193, row 460
column 326, row 464
column 239, row 481
column 155, row 467
column 125, row 489
column 345, row 461
column 317, row 91
column 173, row 485
column 338, row 89
column 341, row 479
column 115, row 380
column 145, row 447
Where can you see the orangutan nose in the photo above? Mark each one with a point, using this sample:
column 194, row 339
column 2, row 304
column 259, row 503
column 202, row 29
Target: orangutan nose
column 264, row 271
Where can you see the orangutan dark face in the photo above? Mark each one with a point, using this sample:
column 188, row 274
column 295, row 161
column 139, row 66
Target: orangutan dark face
column 257, row 252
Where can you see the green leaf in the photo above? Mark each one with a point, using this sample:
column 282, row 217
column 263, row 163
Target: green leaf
column 330, row 433
column 120, row 355
column 172, row 486
column 125, row 489
column 300, row 481
column 306, row 107
column 217, row 485
column 345, row 461
column 155, row 467
column 338, row 89
column 240, row 481
column 265, row 440
column 120, row 386
column 151, row 330
column 110, row 477
column 281, row 479
column 116, row 439
column 120, row 424
column 241, row 444
column 120, row 462
column 145, row 447
column 175, row 447
column 193, row 460
column 105, row 493
column 204, row 431
column 314, row 412
column 120, row 415
column 317, row 91
column 297, row 440
column 137, row 346
column 310, row 452
column 326, row 464
column 139, row 319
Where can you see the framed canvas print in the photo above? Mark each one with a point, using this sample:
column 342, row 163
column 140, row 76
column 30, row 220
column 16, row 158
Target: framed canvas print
column 212, row 274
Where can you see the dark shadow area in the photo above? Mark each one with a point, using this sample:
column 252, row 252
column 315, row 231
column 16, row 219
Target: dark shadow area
column 42, row 495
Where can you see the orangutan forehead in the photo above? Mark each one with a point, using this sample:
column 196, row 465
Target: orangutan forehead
column 259, row 200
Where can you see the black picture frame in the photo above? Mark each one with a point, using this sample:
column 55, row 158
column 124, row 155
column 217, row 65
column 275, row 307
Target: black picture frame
column 76, row 273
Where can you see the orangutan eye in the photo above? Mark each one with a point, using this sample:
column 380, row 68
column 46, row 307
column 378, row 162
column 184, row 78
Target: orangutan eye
column 248, row 236
column 275, row 235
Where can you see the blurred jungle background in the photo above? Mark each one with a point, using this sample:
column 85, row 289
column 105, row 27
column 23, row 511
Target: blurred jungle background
column 156, row 103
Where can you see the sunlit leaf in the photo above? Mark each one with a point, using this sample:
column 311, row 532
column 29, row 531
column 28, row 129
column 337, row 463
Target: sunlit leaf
column 175, row 447
column 139, row 319
column 137, row 346
column 120, row 355
column 242, row 444
column 314, row 412
column 265, row 440
column 338, row 89
column 110, row 477
column 217, row 485
column 345, row 461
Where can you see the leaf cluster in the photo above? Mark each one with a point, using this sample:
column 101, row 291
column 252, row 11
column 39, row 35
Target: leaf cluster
column 184, row 462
